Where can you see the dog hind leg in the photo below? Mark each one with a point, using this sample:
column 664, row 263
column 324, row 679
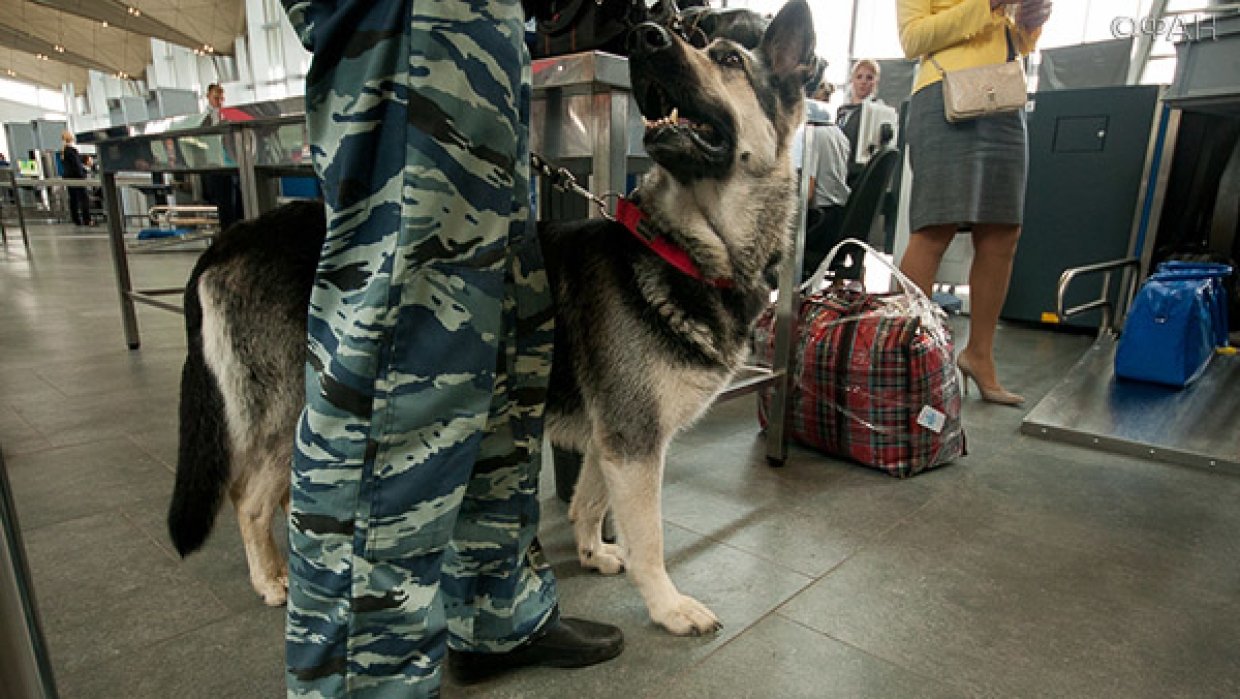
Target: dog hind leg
column 256, row 497
column 635, row 489
column 588, row 509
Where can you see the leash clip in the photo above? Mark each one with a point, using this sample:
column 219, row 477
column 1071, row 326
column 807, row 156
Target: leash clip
column 564, row 181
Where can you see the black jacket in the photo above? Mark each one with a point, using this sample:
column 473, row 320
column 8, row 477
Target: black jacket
column 71, row 163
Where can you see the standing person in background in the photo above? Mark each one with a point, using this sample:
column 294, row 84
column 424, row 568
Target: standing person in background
column 215, row 104
column 221, row 189
column 828, row 189
column 414, row 507
column 970, row 173
column 72, row 168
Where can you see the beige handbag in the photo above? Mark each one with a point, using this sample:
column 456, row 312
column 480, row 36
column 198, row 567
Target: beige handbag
column 994, row 89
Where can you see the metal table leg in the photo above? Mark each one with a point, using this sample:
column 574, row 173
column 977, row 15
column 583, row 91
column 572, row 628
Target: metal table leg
column 21, row 217
column 120, row 261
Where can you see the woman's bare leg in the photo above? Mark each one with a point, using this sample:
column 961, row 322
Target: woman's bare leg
column 994, row 248
column 925, row 251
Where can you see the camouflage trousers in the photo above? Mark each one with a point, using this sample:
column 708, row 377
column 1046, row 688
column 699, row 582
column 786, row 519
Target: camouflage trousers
column 414, row 493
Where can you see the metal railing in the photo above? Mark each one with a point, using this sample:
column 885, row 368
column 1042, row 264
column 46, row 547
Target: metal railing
column 1130, row 266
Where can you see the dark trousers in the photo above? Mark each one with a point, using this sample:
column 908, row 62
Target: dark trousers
column 224, row 191
column 822, row 231
column 79, row 206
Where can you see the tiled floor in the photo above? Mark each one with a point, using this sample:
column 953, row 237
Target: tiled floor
column 1027, row 569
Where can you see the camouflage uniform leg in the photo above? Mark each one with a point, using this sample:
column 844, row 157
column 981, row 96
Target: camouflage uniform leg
column 490, row 609
column 415, row 110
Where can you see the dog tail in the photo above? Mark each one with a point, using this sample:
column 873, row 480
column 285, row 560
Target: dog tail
column 203, row 452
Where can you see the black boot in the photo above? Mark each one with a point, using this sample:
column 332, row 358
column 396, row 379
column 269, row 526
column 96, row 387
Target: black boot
column 565, row 642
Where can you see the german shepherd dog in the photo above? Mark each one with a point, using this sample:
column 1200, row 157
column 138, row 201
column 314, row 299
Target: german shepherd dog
column 642, row 344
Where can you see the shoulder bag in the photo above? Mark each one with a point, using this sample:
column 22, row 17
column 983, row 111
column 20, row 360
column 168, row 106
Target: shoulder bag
column 975, row 92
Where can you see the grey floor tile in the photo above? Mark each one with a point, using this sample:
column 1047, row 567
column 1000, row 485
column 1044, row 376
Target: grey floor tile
column 1170, row 520
column 220, row 565
column 104, row 590
column 86, row 419
column 807, row 516
column 738, row 587
column 152, row 369
column 16, row 435
column 1003, row 613
column 159, row 443
column 779, row 658
column 238, row 657
column 18, row 385
column 62, row 484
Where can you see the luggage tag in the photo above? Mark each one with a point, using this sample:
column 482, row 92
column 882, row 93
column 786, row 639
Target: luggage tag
column 931, row 419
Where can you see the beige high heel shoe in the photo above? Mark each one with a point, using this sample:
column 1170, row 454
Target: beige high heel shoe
column 990, row 395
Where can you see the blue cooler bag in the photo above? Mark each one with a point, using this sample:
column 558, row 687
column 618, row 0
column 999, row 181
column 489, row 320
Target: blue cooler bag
column 1169, row 335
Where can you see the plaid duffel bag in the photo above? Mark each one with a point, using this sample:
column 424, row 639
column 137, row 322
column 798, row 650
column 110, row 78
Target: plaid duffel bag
column 873, row 378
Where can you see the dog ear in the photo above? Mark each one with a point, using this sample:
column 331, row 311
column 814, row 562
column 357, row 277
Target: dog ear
column 788, row 44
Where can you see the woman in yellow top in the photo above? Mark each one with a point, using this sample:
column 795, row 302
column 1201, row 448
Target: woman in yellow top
column 969, row 173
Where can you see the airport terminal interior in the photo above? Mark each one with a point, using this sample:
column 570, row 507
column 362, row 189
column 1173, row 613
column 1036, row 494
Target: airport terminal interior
column 1082, row 544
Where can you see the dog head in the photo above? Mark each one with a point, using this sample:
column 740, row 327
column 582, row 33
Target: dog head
column 712, row 108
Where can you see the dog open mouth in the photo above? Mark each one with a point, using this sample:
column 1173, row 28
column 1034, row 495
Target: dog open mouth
column 679, row 133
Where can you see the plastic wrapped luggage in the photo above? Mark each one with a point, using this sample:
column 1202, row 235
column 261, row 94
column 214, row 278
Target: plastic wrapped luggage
column 873, row 377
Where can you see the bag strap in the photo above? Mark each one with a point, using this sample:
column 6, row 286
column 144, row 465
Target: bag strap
column 810, row 285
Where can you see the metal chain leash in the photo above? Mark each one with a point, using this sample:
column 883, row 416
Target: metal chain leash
column 564, row 181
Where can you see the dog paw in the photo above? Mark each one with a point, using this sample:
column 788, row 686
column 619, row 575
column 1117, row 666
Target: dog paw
column 607, row 559
column 686, row 617
column 274, row 593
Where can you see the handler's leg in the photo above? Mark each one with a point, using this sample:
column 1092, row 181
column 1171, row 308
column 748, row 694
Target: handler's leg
column 409, row 136
column 499, row 592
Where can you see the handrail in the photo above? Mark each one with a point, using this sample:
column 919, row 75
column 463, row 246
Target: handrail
column 184, row 215
column 1102, row 302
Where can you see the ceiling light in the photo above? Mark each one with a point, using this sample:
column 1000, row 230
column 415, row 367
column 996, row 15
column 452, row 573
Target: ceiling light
column 59, row 48
column 104, row 23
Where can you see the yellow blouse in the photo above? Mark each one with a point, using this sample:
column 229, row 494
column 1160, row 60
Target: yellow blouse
column 960, row 34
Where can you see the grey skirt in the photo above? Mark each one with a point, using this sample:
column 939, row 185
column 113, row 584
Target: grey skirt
column 969, row 172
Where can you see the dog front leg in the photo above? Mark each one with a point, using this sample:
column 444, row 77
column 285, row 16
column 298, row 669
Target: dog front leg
column 635, row 489
column 587, row 511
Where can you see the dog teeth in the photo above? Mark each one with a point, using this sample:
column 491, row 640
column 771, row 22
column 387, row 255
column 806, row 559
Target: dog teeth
column 674, row 119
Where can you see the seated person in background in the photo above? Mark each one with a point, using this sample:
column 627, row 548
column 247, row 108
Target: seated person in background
column 828, row 189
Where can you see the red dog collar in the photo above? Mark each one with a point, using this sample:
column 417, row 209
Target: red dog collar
column 634, row 219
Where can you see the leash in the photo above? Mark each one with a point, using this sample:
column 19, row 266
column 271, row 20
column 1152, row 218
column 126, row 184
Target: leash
column 629, row 215
column 564, row 181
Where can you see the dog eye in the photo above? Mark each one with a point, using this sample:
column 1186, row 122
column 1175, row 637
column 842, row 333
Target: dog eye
column 730, row 59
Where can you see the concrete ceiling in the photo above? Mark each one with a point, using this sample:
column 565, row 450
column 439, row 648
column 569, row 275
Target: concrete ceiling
column 107, row 35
